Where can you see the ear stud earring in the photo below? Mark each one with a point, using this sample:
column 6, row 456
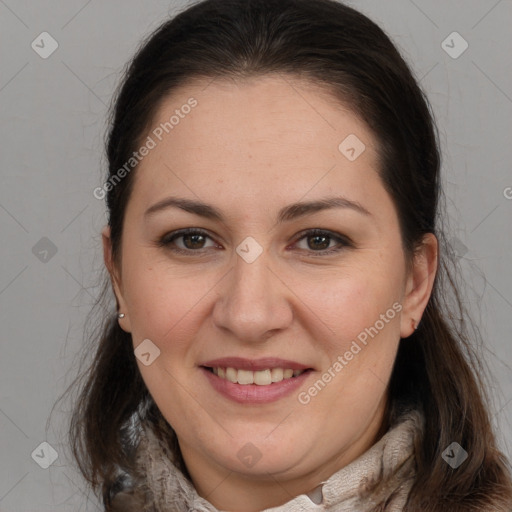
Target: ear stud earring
column 120, row 315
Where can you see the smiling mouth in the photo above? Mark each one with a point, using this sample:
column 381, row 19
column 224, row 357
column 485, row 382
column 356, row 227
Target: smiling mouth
column 265, row 377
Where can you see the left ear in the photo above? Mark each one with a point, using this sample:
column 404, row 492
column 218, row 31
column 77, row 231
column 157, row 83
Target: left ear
column 419, row 284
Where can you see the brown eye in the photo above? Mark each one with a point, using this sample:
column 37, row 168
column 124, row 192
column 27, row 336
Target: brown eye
column 319, row 242
column 187, row 241
column 193, row 241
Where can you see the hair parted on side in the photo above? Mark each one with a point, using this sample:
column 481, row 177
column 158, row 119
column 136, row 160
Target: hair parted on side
column 437, row 367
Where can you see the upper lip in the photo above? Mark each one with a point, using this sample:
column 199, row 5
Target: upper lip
column 264, row 363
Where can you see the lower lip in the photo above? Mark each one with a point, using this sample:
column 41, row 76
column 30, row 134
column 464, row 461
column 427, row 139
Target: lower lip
column 252, row 393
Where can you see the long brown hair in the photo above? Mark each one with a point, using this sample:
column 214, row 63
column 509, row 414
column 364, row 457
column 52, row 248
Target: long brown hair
column 438, row 367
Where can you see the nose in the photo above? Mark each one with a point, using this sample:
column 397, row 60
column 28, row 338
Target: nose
column 254, row 302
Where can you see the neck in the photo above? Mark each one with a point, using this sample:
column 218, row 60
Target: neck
column 232, row 491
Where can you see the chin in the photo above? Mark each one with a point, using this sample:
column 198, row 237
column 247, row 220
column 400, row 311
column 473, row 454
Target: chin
column 256, row 456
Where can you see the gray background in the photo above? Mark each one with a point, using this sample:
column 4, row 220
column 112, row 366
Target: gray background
column 53, row 117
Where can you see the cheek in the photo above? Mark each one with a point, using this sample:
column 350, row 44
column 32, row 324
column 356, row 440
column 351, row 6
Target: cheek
column 349, row 303
column 363, row 315
column 164, row 304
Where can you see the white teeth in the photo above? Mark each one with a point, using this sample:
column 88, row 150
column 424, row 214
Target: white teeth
column 260, row 377
column 245, row 377
column 277, row 374
column 231, row 375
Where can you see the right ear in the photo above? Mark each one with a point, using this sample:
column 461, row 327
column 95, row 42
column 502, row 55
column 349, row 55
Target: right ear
column 115, row 278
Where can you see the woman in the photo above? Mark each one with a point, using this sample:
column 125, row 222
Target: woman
column 281, row 339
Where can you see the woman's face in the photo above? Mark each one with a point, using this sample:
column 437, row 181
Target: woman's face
column 257, row 165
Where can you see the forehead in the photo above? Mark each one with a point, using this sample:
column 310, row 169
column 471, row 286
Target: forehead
column 265, row 135
column 257, row 109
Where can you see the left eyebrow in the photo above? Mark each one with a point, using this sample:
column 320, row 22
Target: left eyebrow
column 296, row 210
column 286, row 214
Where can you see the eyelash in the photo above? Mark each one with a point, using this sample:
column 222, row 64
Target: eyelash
column 169, row 238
